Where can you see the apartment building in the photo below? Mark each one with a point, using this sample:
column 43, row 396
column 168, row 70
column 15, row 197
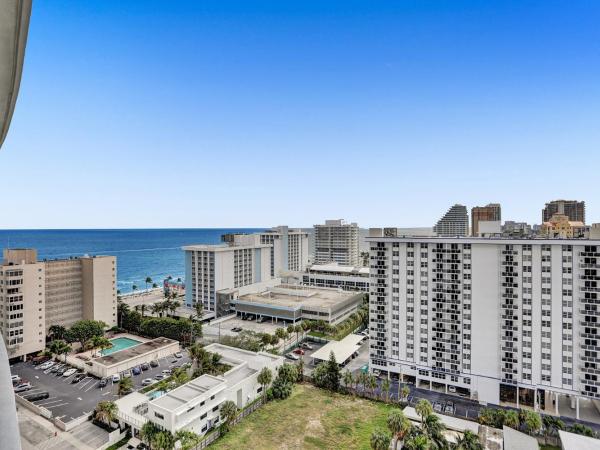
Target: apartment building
column 573, row 209
column 38, row 294
column 491, row 212
column 333, row 275
column 511, row 321
column 212, row 268
column 559, row 226
column 337, row 241
column 289, row 251
column 454, row 223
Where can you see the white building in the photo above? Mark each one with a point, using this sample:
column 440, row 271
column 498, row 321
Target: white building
column 501, row 320
column 289, row 250
column 454, row 223
column 332, row 275
column 213, row 268
column 337, row 241
column 195, row 406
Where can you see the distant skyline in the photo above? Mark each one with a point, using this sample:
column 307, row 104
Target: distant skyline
column 198, row 114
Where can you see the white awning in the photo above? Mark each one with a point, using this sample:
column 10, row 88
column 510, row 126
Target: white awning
column 342, row 350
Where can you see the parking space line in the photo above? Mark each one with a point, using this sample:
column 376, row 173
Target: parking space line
column 91, row 386
column 50, row 402
column 55, row 406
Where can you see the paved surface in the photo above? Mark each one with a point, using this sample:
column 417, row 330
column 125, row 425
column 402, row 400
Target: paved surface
column 68, row 401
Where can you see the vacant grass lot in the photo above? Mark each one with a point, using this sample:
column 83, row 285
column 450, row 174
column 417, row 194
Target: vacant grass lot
column 310, row 419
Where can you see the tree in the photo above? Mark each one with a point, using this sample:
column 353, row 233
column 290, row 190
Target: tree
column 385, row 389
column 84, row 330
column 197, row 355
column 282, row 386
column 404, row 392
column 281, row 334
column 134, row 288
column 380, row 440
column 333, row 373
column 148, row 281
column 163, row 440
column 423, row 408
column 229, row 412
column 100, row 342
column 60, row 347
column 298, row 329
column 531, row 421
column 468, row 441
column 106, row 412
column 147, row 433
column 372, row 383
column 187, row 439
column 417, row 442
column 434, row 429
column 122, row 309
column 57, row 332
column 265, row 377
column 511, row 419
column 154, row 285
column 399, row 425
column 348, row 379
column 125, row 386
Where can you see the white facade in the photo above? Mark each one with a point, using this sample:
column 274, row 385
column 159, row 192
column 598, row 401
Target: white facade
column 337, row 241
column 212, row 268
column 347, row 278
column 454, row 223
column 488, row 316
column 195, row 406
column 289, row 250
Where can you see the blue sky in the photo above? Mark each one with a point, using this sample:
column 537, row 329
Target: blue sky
column 256, row 113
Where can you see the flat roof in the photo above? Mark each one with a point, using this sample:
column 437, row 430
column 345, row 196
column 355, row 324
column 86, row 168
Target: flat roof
column 342, row 350
column 572, row 441
column 136, row 350
column 485, row 240
column 515, row 440
column 342, row 269
column 189, row 392
column 221, row 247
column 295, row 297
column 235, row 356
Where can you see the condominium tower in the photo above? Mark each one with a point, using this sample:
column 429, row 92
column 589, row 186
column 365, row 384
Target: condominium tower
column 454, row 223
column 34, row 295
column 337, row 241
column 573, row 209
column 487, row 213
column 512, row 321
column 289, row 249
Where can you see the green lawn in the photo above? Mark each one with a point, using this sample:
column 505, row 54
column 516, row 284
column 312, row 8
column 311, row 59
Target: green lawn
column 310, row 419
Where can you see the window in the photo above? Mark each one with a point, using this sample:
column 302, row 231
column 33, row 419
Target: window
column 159, row 415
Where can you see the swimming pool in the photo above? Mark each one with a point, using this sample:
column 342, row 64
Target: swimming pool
column 155, row 394
column 120, row 343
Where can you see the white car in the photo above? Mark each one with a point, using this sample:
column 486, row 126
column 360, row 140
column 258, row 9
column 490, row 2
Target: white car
column 452, row 389
column 23, row 387
column 292, row 356
column 166, row 372
column 15, row 378
column 178, row 355
column 47, row 365
column 127, row 374
column 147, row 382
column 69, row 372
column 116, row 378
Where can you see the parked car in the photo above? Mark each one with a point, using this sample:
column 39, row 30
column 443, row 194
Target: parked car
column 77, row 378
column 306, row 346
column 166, row 372
column 261, row 320
column 452, row 389
column 147, row 382
column 15, row 378
column 39, row 360
column 299, row 351
column 236, row 329
column 55, row 368
column 437, row 406
column 159, row 377
column 37, row 396
column 62, row 370
column 126, row 374
column 154, row 363
column 292, row 356
column 23, row 387
column 145, row 366
column 69, row 372
column 116, row 378
column 136, row 370
column 178, row 355
column 103, row 382
column 449, row 409
column 47, row 365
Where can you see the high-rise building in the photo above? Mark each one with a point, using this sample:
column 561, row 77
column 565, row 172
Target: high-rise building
column 488, row 213
column 38, row 294
column 454, row 223
column 337, row 241
column 209, row 269
column 289, row 251
column 573, row 209
column 502, row 321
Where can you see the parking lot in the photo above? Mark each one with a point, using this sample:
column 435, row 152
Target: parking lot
column 252, row 325
column 67, row 400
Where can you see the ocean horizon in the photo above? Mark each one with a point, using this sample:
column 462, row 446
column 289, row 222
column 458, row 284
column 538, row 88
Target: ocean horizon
column 140, row 252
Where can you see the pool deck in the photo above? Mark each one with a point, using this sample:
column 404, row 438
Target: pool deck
column 111, row 350
column 132, row 352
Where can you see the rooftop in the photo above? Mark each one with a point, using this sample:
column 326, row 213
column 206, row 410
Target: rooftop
column 342, row 350
column 131, row 352
column 295, row 296
column 189, row 392
column 221, row 247
column 339, row 269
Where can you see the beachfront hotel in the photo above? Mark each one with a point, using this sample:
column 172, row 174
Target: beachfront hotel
column 336, row 241
column 35, row 295
column 499, row 320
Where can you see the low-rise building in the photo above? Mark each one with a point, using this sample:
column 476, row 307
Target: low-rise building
column 195, row 406
column 559, row 226
column 293, row 303
column 348, row 278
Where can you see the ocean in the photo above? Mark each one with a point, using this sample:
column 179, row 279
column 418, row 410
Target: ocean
column 140, row 253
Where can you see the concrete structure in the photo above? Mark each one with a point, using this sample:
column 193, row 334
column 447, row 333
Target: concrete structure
column 491, row 212
column 342, row 350
column 337, row 241
column 511, row 321
column 515, row 440
column 517, row 229
column 572, row 441
column 489, row 228
column 573, row 209
column 333, row 275
column 454, row 223
column 289, row 250
column 195, row 406
column 38, row 294
column 559, row 226
column 293, row 303
column 212, row 268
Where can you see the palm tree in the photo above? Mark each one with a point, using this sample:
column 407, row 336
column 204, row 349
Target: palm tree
column 468, row 441
column 173, row 307
column 417, row 442
column 142, row 309
column 385, row 389
column 156, row 308
column 380, row 440
column 281, row 334
column 106, row 412
column 229, row 412
column 347, row 378
column 57, row 332
column 147, row 433
column 399, row 425
column 125, row 386
column 423, row 409
column 433, row 428
column 372, row 383
column 405, row 392
column 187, row 439
column 134, row 288
column 122, row 309
column 60, row 347
column 265, row 377
column 532, row 421
column 148, row 281
column 101, row 342
column 298, row 329
column 154, row 285
column 197, row 355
